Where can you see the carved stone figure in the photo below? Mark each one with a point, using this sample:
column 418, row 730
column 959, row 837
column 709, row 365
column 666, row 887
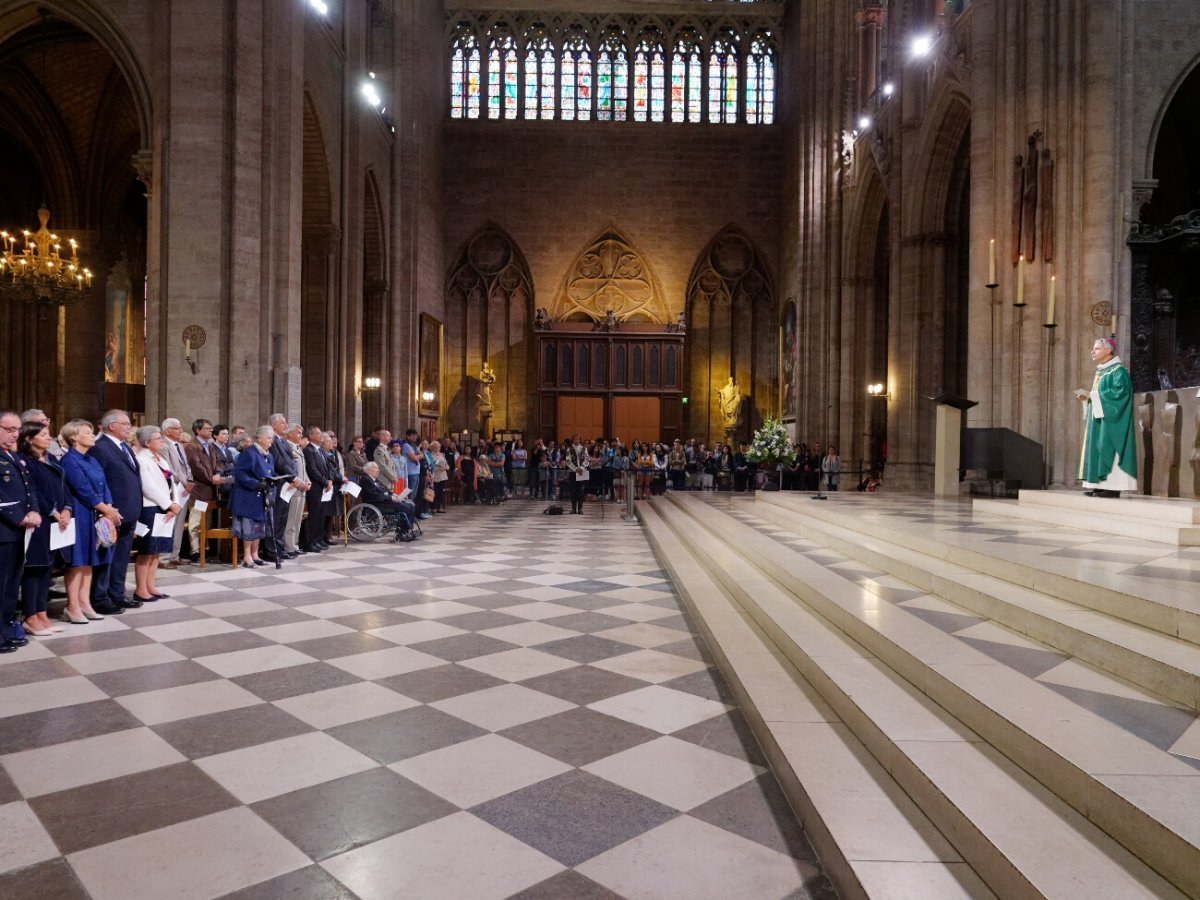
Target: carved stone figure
column 608, row 323
column 487, row 378
column 731, row 405
column 541, row 320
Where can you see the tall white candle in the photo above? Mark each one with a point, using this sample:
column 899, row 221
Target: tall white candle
column 992, row 262
column 1050, row 302
column 1021, row 280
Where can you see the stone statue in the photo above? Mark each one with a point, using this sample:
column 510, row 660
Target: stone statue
column 541, row 320
column 608, row 323
column 679, row 326
column 487, row 377
column 731, row 405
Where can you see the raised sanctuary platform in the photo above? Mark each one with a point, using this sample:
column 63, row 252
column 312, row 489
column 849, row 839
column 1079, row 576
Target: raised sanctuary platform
column 1167, row 520
column 959, row 703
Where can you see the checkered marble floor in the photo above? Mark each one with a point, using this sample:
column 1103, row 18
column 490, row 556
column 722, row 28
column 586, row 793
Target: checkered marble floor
column 513, row 706
column 1165, row 725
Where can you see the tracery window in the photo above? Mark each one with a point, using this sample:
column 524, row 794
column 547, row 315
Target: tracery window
column 502, row 74
column 576, row 78
column 539, row 74
column 612, row 78
column 686, row 78
column 760, row 80
column 723, row 78
column 649, row 77
column 464, row 75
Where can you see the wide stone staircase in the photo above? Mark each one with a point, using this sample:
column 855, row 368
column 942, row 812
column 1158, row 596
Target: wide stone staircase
column 959, row 703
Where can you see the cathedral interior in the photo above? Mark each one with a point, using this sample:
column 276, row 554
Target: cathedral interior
column 552, row 217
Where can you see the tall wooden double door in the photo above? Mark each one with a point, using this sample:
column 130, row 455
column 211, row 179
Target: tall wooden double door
column 628, row 417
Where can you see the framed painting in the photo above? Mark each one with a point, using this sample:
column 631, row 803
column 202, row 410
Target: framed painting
column 788, row 350
column 429, row 400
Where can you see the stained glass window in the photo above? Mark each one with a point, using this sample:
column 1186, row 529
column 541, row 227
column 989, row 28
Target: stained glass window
column 464, row 76
column 760, row 80
column 576, row 78
column 649, row 78
column 539, row 74
column 685, row 78
column 502, row 74
column 612, row 77
column 723, row 78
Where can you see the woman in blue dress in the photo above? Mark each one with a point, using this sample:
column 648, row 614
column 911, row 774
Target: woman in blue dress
column 246, row 499
column 40, row 561
column 90, row 501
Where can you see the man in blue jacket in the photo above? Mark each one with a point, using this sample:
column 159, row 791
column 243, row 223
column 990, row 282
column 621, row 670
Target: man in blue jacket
column 18, row 513
column 116, row 458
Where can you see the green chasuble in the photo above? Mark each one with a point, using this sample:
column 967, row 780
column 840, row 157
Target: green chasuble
column 1109, row 437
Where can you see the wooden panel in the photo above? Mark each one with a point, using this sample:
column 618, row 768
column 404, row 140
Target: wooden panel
column 636, row 418
column 671, row 420
column 580, row 415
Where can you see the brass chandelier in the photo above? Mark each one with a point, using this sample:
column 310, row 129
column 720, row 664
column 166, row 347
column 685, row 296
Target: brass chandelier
column 38, row 272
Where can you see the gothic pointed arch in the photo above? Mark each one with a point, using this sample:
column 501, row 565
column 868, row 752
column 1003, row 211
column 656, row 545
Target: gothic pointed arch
column 374, row 297
column 489, row 316
column 732, row 324
column 611, row 274
column 318, row 273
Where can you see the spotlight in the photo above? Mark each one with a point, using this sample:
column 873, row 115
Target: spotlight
column 921, row 45
column 372, row 95
column 888, row 89
column 320, row 6
column 864, row 123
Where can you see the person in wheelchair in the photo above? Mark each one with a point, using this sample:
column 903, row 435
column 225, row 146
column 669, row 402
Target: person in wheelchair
column 386, row 500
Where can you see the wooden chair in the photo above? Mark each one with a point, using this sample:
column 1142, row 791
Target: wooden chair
column 221, row 533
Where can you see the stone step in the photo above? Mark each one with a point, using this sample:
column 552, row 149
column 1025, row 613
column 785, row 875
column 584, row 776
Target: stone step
column 871, row 838
column 1018, row 837
column 1155, row 607
column 1161, row 664
column 1161, row 509
column 1163, row 532
column 1137, row 794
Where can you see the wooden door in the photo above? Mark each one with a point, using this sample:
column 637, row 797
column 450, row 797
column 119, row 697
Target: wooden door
column 579, row 415
column 636, row 418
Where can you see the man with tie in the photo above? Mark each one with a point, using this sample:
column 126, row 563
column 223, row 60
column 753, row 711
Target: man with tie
column 125, row 483
column 285, row 464
column 18, row 514
column 176, row 461
column 202, row 460
column 317, row 468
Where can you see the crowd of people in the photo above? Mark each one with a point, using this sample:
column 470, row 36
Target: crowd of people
column 88, row 500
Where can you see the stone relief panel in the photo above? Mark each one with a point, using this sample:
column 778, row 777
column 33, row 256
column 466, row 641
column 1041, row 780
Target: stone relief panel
column 611, row 276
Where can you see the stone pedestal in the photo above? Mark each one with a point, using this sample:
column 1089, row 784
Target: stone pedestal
column 947, row 451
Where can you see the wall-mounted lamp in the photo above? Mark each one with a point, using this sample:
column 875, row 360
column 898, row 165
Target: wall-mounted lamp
column 320, row 6
column 878, row 390
column 189, row 355
column 888, row 89
column 427, row 396
column 371, row 383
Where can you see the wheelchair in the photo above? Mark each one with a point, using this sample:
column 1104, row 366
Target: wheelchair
column 367, row 523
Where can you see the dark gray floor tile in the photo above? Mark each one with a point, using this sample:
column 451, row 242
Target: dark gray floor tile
column 568, row 885
column 690, row 647
column 706, row 683
column 310, row 883
column 341, row 645
column 1191, row 761
column 411, row 732
column 588, row 602
column 494, row 601
column 591, row 586
column 1100, row 554
column 574, row 816
column 679, row 623
column 53, row 879
column 218, row 643
column 379, row 618
column 8, row 790
column 439, row 683
column 1028, row 661
column 271, row 617
column 64, row 723
column 463, row 646
column 122, row 682
column 35, row 670
column 583, row 684
column 231, row 730
column 586, row 622
column 587, row 648
column 946, row 621
column 1156, row 723
column 337, row 816
column 728, row 734
column 482, row 620
column 580, row 736
column 292, row 681
column 79, row 641
column 670, row 602
column 149, row 615
column 134, row 804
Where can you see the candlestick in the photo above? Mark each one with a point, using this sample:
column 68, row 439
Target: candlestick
column 1050, row 302
column 992, row 264
column 1020, row 281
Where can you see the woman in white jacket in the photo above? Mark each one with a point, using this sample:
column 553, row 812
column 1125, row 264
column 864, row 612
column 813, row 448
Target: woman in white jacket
column 158, row 499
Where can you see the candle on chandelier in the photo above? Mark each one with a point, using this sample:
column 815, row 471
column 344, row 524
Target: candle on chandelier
column 1050, row 301
column 992, row 263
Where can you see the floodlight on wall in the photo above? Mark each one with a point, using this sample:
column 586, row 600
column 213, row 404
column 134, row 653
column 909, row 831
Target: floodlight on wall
column 864, row 122
column 320, row 6
column 888, row 89
column 371, row 383
column 427, row 396
column 372, row 94
column 921, row 45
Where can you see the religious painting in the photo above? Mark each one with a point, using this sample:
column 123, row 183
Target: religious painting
column 116, row 318
column 788, row 338
column 430, row 356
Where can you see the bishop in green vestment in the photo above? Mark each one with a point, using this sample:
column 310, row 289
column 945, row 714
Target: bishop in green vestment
column 1109, row 461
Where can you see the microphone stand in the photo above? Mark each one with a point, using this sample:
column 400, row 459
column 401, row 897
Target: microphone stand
column 273, row 483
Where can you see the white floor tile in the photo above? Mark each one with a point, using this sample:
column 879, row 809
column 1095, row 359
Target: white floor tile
column 258, row 659
column 349, row 703
column 180, row 631
column 335, row 608
column 86, row 761
column 502, row 706
column 415, row 632
column 650, row 665
column 660, row 708
column 25, row 840
column 302, row 631
column 122, row 658
column 49, row 694
column 528, row 634
column 268, row 770
column 187, row 701
column 517, row 665
column 385, row 663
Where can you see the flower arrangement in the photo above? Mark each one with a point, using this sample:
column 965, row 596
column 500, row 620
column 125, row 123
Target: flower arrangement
column 771, row 444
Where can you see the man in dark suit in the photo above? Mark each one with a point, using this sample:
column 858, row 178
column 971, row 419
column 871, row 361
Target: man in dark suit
column 206, row 476
column 285, row 464
column 18, row 513
column 312, row 538
column 125, row 483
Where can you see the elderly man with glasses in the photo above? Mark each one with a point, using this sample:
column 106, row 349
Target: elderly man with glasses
column 120, row 467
